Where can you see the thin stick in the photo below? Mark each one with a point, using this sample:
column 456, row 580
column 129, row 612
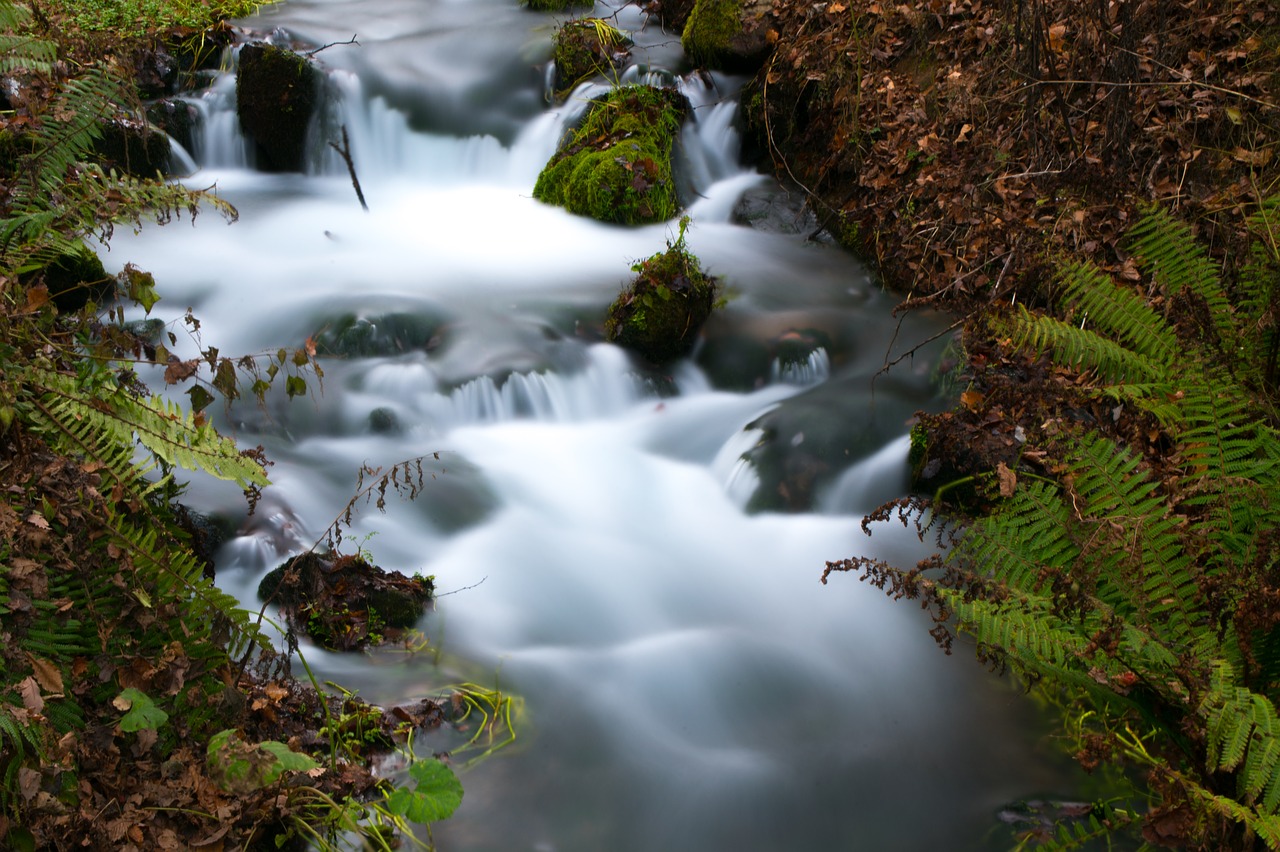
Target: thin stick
column 351, row 40
column 345, row 152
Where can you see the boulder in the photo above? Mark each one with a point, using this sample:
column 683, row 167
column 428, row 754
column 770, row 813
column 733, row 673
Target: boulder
column 727, row 35
column 617, row 167
column 660, row 314
column 277, row 94
column 74, row 279
column 133, row 147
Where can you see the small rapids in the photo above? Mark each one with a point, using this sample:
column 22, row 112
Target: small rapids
column 613, row 544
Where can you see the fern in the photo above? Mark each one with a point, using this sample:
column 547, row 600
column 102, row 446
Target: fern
column 162, row 427
column 1169, row 250
column 1117, row 312
column 1072, row 346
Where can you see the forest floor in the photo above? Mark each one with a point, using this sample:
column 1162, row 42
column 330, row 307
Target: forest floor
column 968, row 149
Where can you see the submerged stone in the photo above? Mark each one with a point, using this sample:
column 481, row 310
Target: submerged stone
column 661, row 313
column 617, row 166
column 277, row 92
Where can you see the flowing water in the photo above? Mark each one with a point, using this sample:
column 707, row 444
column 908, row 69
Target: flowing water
column 688, row 682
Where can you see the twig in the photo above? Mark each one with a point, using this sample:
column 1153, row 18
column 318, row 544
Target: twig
column 351, row 40
column 345, row 152
column 464, row 588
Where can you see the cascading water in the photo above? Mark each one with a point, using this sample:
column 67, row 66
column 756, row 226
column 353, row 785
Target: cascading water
column 689, row 684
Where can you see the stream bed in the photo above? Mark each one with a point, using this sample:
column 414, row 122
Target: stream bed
column 636, row 555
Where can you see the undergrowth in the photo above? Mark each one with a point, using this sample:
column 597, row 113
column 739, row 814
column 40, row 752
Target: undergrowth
column 1137, row 568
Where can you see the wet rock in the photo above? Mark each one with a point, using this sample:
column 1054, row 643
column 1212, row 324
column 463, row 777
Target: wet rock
column 277, row 93
column 672, row 14
column 343, row 602
column 617, row 167
column 133, row 147
column 383, row 421
column 586, row 48
column 727, row 35
column 177, row 118
column 74, row 279
column 807, row 441
column 661, row 313
column 155, row 73
column 352, row 336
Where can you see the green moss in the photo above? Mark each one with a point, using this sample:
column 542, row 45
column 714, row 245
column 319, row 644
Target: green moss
column 583, row 49
column 660, row 314
column 617, row 166
column 557, row 5
column 711, row 26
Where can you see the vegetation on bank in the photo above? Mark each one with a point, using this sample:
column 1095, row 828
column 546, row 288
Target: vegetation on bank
column 140, row 707
column 1091, row 188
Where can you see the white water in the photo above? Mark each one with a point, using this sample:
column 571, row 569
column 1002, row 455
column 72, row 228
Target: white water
column 690, row 685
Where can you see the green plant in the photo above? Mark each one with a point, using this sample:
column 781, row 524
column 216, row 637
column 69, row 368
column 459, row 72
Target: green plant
column 1147, row 585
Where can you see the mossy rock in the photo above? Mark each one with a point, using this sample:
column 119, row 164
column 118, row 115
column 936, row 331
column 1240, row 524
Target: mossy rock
column 134, row 148
column 177, row 118
column 617, row 166
column 277, row 93
column 556, row 5
column 586, row 48
column 74, row 279
column 660, row 314
column 727, row 35
column 343, row 602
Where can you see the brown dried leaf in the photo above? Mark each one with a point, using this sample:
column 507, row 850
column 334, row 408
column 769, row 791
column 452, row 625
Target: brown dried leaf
column 30, row 692
column 47, row 675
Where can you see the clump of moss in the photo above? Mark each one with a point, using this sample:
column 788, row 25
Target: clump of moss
column 660, row 314
column 343, row 602
column 586, row 48
column 557, row 5
column 617, row 166
column 712, row 25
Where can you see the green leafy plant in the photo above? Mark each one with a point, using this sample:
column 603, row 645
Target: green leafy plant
column 1148, row 586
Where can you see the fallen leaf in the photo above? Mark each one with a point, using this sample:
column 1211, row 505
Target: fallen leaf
column 47, row 675
column 1008, row 480
column 30, row 692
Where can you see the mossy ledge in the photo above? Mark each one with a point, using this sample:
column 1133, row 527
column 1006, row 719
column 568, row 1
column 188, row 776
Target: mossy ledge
column 617, row 166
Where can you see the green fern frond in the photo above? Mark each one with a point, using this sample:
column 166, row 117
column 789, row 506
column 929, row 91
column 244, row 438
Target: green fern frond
column 162, row 427
column 20, row 52
column 1118, row 312
column 1078, row 348
column 67, row 134
column 1026, row 541
column 1242, row 729
column 1168, row 248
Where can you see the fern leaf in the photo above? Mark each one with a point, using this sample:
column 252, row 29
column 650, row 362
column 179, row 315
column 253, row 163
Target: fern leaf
column 1025, row 541
column 1118, row 312
column 1075, row 347
column 162, row 427
column 1168, row 248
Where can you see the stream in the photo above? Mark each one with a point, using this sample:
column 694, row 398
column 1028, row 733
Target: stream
column 602, row 547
